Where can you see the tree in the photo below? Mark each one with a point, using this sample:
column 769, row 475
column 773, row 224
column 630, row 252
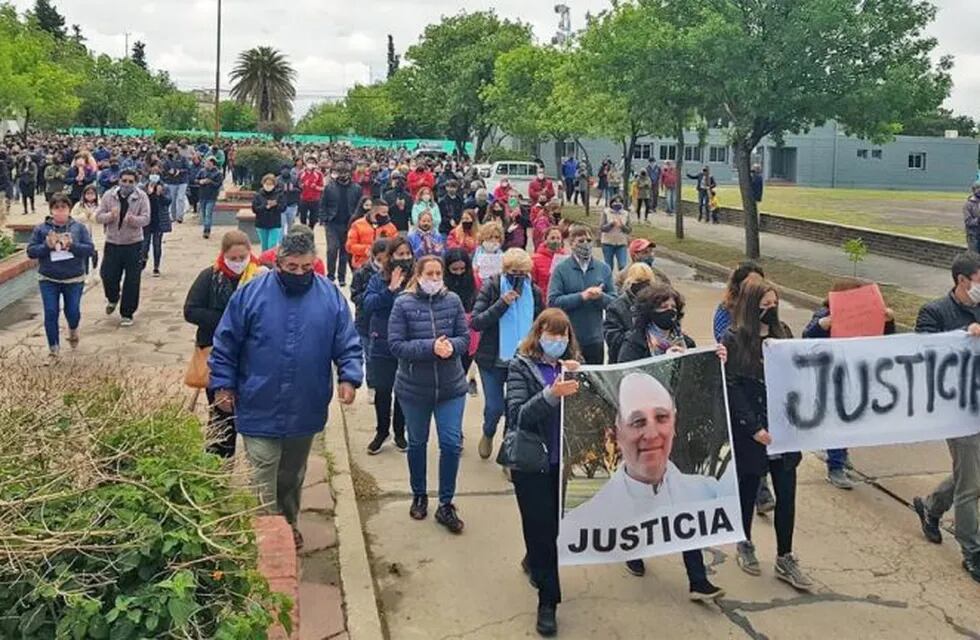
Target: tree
column 178, row 111
column 325, row 119
column 393, row 59
column 120, row 92
column 76, row 34
column 48, row 19
column 450, row 67
column 773, row 67
column 938, row 123
column 370, row 110
column 139, row 54
column 413, row 119
column 237, row 116
column 264, row 78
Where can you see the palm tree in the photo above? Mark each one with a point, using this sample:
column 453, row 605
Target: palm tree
column 264, row 78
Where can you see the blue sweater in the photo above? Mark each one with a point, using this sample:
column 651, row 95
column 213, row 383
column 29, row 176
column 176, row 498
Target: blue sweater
column 82, row 249
column 565, row 292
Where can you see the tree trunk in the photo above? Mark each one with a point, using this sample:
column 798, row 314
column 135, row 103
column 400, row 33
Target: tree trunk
column 27, row 123
column 678, row 211
column 743, row 159
column 557, row 153
column 482, row 133
column 629, row 144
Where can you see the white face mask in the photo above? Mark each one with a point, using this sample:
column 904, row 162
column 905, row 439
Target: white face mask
column 431, row 287
column 974, row 293
column 491, row 246
column 236, row 267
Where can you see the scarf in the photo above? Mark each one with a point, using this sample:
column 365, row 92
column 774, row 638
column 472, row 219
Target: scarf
column 663, row 339
column 516, row 321
column 251, row 269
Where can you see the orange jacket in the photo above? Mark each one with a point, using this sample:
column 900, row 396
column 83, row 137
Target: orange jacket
column 459, row 238
column 362, row 235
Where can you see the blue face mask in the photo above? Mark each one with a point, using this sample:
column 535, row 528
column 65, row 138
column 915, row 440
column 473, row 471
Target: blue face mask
column 553, row 348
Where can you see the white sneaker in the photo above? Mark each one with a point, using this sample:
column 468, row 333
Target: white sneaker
column 126, row 322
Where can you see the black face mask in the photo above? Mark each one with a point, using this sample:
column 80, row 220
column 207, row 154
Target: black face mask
column 296, row 284
column 382, row 220
column 343, row 179
column 467, row 225
column 665, row 320
column 405, row 264
column 516, row 282
column 770, row 316
column 637, row 287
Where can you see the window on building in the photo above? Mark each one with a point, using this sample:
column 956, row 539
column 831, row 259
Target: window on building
column 917, row 161
column 876, row 154
column 643, row 151
column 692, row 154
column 569, row 148
column 718, row 154
column 668, row 152
column 863, row 154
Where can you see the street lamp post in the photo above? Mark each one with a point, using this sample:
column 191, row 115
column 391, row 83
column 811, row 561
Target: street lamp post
column 217, row 81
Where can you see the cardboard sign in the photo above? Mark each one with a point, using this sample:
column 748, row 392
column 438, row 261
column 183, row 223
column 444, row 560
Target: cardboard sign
column 857, row 313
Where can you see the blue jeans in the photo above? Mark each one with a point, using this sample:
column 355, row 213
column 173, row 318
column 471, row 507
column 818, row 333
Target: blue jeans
column 207, row 213
column 269, row 237
column 178, row 200
column 494, row 406
column 289, row 217
column 703, row 205
column 617, row 252
column 51, row 295
column 836, row 459
column 449, row 427
column 671, row 198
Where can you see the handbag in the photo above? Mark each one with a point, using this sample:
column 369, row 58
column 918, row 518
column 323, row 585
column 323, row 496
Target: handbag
column 198, row 374
column 523, row 451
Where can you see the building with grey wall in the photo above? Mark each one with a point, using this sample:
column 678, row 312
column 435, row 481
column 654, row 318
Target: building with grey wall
column 822, row 157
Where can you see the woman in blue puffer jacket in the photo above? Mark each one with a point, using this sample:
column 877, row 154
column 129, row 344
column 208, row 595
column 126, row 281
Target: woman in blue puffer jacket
column 428, row 334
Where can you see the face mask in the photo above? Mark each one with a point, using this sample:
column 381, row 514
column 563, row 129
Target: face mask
column 126, row 190
column 236, row 266
column 540, row 176
column 974, row 293
column 513, row 203
column 637, row 287
column 467, row 225
column 583, row 250
column 154, row 178
column 553, row 348
column 491, row 246
column 269, row 188
column 554, row 245
column 425, row 227
column 310, row 167
column 343, row 179
column 516, row 281
column 405, row 265
column 296, row 284
column 664, row 320
column 770, row 316
column 431, row 287
column 381, row 219
column 617, row 207
column 426, row 198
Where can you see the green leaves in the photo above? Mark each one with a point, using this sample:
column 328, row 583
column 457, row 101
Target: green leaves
column 264, row 79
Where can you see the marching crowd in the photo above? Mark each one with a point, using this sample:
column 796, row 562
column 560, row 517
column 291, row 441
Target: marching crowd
column 450, row 281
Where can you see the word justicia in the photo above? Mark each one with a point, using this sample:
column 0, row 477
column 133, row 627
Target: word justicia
column 909, row 384
column 679, row 526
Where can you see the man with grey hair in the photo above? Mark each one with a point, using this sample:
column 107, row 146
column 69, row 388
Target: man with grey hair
column 971, row 218
column 271, row 366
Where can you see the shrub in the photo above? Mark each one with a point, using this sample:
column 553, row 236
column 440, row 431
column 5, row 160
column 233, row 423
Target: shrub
column 502, row 154
column 114, row 522
column 260, row 160
column 7, row 246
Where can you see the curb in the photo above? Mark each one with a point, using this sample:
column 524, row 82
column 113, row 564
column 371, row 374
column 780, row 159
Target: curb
column 360, row 598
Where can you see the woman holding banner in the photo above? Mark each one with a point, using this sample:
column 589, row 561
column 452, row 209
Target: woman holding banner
column 755, row 320
column 656, row 331
column 534, row 393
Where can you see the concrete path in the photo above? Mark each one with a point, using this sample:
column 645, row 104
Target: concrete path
column 877, row 577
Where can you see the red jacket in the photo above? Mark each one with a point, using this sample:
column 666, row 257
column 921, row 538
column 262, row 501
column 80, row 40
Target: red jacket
column 668, row 177
column 361, row 236
column 364, row 179
column 419, row 179
column 311, row 185
column 541, row 262
column 537, row 187
column 458, row 238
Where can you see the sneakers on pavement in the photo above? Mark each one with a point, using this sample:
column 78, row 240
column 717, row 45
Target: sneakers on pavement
column 297, row 539
column 110, row 308
column 547, row 623
column 73, row 338
column 636, row 568
column 485, row 448
column 747, row 562
column 471, row 388
column 930, row 525
column 788, row 570
column 374, row 447
column 446, row 516
column 420, row 508
column 400, row 443
column 156, row 273
column 125, row 322
column 838, row 478
column 705, row 592
column 972, row 566
column 765, row 502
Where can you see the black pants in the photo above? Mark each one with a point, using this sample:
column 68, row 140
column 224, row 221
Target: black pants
column 152, row 239
column 309, row 211
column 122, row 263
column 193, row 196
column 383, row 378
column 337, row 257
column 221, row 431
column 784, row 486
column 643, row 204
column 654, row 194
column 594, row 353
column 569, row 187
column 27, row 194
column 537, row 498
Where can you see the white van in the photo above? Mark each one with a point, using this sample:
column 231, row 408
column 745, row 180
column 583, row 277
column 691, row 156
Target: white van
column 519, row 174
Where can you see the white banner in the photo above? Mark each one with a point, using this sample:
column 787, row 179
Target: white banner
column 854, row 392
column 647, row 461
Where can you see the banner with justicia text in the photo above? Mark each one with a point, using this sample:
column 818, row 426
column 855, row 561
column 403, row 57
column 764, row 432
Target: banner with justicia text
column 853, row 392
column 647, row 461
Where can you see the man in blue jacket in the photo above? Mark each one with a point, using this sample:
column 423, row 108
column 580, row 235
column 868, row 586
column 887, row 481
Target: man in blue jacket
column 271, row 366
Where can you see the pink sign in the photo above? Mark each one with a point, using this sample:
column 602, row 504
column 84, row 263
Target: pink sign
column 857, row 312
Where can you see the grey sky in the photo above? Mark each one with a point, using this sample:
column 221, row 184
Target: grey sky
column 332, row 45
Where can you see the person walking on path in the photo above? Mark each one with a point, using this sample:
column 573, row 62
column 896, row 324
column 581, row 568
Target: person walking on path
column 124, row 210
column 268, row 204
column 971, row 219
column 176, row 175
column 209, row 181
column 337, row 207
column 159, row 224
column 272, row 365
column 361, row 236
column 427, row 332
column 62, row 247
column 615, row 231
column 958, row 310
column 644, row 194
column 206, row 302
column 668, row 181
column 26, row 174
column 705, row 185
column 311, row 185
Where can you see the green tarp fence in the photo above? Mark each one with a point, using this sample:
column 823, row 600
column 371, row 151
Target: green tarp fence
column 356, row 141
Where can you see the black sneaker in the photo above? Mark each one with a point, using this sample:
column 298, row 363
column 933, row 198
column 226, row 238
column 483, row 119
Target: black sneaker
column 765, row 502
column 705, row 592
column 636, row 567
column 374, row 448
column 471, row 388
column 110, row 308
column 420, row 508
column 972, row 566
column 547, row 624
column 446, row 516
column 527, row 571
column 930, row 525
column 400, row 443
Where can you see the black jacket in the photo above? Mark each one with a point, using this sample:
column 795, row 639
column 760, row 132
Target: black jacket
column 636, row 346
column 618, row 321
column 530, row 405
column 206, row 302
column 451, row 210
column 358, row 287
column 945, row 314
column 487, row 312
column 266, row 218
column 332, row 202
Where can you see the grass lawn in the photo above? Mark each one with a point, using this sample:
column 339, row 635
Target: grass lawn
column 929, row 214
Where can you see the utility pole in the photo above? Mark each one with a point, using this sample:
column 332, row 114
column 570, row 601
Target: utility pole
column 126, row 52
column 217, row 82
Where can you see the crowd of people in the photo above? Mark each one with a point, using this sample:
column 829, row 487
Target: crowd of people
column 449, row 280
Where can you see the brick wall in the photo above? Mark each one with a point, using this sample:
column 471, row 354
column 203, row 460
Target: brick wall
column 279, row 565
column 18, row 278
column 919, row 250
